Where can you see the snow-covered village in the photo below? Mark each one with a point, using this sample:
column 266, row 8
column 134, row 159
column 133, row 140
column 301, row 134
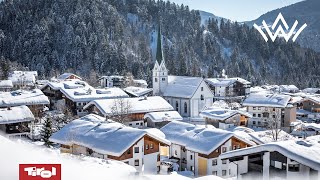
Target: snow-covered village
column 226, row 111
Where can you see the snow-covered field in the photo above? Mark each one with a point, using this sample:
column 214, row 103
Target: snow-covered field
column 13, row 153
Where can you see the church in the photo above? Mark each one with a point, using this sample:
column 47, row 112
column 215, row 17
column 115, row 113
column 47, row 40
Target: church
column 187, row 95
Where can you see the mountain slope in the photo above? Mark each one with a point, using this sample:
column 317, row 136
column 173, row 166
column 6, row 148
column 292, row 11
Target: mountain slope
column 101, row 37
column 305, row 12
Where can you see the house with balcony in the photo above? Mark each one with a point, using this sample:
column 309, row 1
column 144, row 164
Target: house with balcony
column 15, row 121
column 225, row 118
column 134, row 109
column 198, row 148
column 311, row 104
column 93, row 135
column 291, row 159
column 35, row 100
column 267, row 109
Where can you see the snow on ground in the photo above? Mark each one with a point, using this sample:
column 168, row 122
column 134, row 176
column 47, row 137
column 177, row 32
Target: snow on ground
column 12, row 153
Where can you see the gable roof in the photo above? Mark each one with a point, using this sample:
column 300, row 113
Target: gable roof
column 182, row 86
column 65, row 76
column 137, row 91
column 137, row 105
column 315, row 99
column 23, row 77
column 6, row 84
column 15, row 115
column 225, row 81
column 199, row 139
column 163, row 116
column 304, row 152
column 267, row 100
column 103, row 136
column 18, row 98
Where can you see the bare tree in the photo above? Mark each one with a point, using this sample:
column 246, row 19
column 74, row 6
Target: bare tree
column 274, row 122
column 120, row 110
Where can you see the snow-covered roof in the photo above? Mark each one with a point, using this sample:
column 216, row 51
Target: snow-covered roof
column 163, row 116
column 80, row 91
column 304, row 152
column 137, row 91
column 222, row 114
column 315, row 99
column 263, row 137
column 302, row 112
column 18, row 98
column 6, row 84
column 102, row 136
column 314, row 126
column 311, row 90
column 182, row 86
column 23, row 77
column 200, row 139
column 226, row 81
column 113, row 77
column 15, row 115
column 136, row 105
column 267, row 100
column 258, row 89
column 289, row 88
column 140, row 81
column 65, row 76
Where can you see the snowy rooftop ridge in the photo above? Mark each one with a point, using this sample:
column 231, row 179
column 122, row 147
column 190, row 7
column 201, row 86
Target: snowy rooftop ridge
column 6, row 84
column 182, row 86
column 164, row 116
column 225, row 81
column 222, row 114
column 267, row 100
column 102, row 136
column 200, row 139
column 137, row 105
column 304, row 152
column 65, row 76
column 18, row 98
column 137, row 91
column 15, row 115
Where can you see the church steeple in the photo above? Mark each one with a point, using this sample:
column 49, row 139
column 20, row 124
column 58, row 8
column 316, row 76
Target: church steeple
column 159, row 53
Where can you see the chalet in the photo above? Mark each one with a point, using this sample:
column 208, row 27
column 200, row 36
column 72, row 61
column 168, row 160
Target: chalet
column 267, row 109
column 229, row 89
column 197, row 148
column 6, row 85
column 23, row 79
column 292, row 159
column 311, row 104
column 136, row 108
column 112, row 81
column 95, row 136
column 160, row 119
column 35, row 100
column 75, row 94
column 15, row 121
column 133, row 91
column 289, row 88
column 66, row 76
column 225, row 118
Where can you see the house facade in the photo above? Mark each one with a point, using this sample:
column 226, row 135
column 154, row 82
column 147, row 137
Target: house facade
column 198, row 148
column 95, row 136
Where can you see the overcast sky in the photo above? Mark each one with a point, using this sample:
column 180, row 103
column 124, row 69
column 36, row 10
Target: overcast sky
column 236, row 10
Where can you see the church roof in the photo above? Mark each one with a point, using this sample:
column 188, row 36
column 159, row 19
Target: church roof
column 182, row 86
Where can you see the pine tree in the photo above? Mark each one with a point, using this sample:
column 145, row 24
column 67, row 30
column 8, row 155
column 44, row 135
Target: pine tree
column 46, row 132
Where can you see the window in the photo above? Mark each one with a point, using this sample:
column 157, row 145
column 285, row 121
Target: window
column 163, row 79
column 127, row 162
column 214, row 162
column 129, row 151
column 224, row 172
column 273, row 116
column 254, row 115
column 141, row 124
column 265, row 114
column 259, row 108
column 190, row 157
column 201, row 88
column 254, row 122
column 137, row 124
column 191, row 168
column 136, row 162
column 185, row 107
column 147, row 146
column 151, row 146
column 224, row 149
column 274, row 109
column 155, row 79
column 224, row 161
column 130, row 124
column 136, row 150
column 214, row 173
column 202, row 97
column 175, row 152
column 177, row 106
column 254, row 108
column 293, row 167
column 259, row 115
column 229, row 171
column 234, row 147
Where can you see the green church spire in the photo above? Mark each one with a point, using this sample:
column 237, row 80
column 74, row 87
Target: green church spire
column 159, row 54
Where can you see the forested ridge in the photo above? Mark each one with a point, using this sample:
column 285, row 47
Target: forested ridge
column 101, row 37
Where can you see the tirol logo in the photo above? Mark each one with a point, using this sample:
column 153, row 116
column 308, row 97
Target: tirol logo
column 280, row 31
column 39, row 171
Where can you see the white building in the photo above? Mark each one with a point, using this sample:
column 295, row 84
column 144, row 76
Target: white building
column 95, row 136
column 6, row 85
column 22, row 79
column 280, row 160
column 269, row 108
column 197, row 148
